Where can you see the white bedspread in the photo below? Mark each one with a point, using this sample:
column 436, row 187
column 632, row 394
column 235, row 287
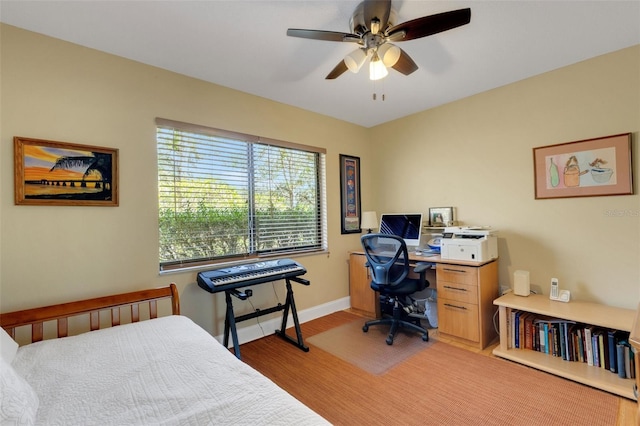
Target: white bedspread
column 162, row 371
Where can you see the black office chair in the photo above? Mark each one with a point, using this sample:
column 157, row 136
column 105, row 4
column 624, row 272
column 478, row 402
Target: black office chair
column 388, row 261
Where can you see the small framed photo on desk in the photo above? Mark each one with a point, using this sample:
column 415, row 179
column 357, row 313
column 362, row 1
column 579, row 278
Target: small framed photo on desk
column 441, row 216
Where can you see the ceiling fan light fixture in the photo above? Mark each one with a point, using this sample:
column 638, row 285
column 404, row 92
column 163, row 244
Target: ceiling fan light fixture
column 389, row 54
column 355, row 60
column 377, row 70
column 375, row 26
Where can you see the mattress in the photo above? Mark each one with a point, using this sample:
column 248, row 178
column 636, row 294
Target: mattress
column 162, row 371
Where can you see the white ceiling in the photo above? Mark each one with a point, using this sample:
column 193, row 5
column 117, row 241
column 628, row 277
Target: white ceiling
column 243, row 45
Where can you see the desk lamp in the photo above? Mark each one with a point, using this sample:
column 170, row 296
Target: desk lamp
column 369, row 221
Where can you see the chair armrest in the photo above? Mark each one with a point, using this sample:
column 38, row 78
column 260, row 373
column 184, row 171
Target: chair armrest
column 422, row 267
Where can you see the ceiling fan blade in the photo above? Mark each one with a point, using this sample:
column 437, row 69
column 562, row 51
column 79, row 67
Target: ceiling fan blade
column 323, row 35
column 377, row 9
column 429, row 25
column 405, row 64
column 337, row 71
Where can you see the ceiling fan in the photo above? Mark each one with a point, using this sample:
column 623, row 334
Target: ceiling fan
column 373, row 28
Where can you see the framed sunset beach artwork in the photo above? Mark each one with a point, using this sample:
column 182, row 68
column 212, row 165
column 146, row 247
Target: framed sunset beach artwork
column 64, row 174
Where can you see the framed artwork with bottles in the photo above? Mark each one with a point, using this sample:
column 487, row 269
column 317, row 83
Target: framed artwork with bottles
column 586, row 168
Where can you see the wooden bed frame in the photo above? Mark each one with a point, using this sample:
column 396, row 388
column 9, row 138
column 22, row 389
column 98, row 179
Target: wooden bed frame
column 36, row 317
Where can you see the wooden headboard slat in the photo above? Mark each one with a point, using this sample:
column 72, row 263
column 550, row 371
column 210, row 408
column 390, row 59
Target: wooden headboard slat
column 63, row 327
column 115, row 316
column 94, row 318
column 37, row 316
column 135, row 312
column 37, row 331
column 153, row 309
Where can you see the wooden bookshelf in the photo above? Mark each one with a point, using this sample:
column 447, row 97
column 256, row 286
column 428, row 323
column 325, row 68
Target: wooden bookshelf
column 634, row 338
column 582, row 312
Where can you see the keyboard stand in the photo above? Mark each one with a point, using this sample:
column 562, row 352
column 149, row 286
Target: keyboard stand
column 290, row 305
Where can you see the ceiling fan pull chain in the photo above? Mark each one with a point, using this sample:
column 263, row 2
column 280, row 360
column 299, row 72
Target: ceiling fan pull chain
column 374, row 90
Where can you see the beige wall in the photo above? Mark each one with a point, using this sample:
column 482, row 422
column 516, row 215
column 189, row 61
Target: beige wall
column 474, row 154
column 59, row 91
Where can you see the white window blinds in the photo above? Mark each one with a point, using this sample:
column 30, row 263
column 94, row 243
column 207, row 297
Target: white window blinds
column 229, row 195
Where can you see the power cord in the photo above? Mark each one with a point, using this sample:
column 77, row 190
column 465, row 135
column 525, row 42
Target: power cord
column 495, row 323
column 257, row 318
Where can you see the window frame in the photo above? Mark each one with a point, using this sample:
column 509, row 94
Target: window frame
column 320, row 180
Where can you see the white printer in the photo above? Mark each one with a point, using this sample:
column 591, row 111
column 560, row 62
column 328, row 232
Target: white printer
column 475, row 244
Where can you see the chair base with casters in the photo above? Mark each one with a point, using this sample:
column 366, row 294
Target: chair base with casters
column 397, row 321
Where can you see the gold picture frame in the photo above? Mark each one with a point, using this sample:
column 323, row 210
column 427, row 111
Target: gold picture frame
column 586, row 168
column 50, row 173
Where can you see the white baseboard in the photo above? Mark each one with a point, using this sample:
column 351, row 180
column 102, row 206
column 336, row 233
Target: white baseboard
column 267, row 328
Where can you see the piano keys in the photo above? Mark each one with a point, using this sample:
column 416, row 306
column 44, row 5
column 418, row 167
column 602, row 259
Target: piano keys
column 249, row 274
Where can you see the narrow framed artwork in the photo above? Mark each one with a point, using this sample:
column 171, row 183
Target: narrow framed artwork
column 591, row 167
column 349, row 194
column 64, row 174
column 441, row 216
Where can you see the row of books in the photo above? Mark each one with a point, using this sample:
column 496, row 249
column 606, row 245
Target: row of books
column 600, row 347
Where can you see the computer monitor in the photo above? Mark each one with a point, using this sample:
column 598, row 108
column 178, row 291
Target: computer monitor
column 408, row 226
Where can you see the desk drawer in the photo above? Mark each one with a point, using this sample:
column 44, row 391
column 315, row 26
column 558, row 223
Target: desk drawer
column 457, row 274
column 458, row 292
column 458, row 319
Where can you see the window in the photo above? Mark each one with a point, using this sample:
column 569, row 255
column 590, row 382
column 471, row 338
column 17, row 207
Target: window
column 226, row 195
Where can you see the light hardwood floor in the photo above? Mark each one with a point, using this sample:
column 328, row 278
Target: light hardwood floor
column 626, row 408
column 259, row 353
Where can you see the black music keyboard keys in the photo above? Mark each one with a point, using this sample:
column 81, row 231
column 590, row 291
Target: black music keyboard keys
column 249, row 274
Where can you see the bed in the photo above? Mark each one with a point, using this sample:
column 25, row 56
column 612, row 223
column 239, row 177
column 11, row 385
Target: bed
column 152, row 370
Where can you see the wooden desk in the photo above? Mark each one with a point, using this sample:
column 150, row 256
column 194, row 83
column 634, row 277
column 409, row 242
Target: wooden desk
column 466, row 291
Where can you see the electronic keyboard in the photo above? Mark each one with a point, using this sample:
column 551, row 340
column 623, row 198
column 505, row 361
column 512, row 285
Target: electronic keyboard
column 249, row 274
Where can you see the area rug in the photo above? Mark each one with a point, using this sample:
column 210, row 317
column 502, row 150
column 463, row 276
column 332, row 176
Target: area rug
column 369, row 351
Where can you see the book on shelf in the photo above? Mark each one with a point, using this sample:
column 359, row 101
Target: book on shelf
column 512, row 334
column 588, row 344
column 582, row 350
column 595, row 348
column 562, row 340
column 622, row 365
column 625, row 360
column 529, row 331
column 604, row 348
column 611, row 339
column 568, row 345
column 516, row 329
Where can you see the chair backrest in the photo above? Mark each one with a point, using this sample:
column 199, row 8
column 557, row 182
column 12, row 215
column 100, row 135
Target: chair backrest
column 387, row 257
